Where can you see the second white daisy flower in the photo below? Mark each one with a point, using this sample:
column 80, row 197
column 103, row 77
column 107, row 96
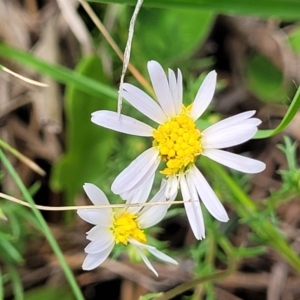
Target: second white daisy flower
column 124, row 226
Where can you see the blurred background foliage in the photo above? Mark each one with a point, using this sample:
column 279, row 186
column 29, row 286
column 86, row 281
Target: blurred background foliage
column 254, row 47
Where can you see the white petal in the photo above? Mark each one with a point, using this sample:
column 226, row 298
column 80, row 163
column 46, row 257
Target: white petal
column 162, row 256
column 144, row 164
column 228, row 137
column 157, row 197
column 193, row 208
column 235, row 161
column 180, row 92
column 141, row 196
column 204, row 96
column 121, row 123
column 144, row 103
column 207, row 195
column 96, row 216
column 176, row 90
column 231, row 121
column 95, row 194
column 146, row 261
column 172, row 187
column 139, row 244
column 101, row 243
column 151, row 215
column 195, row 205
column 154, row 251
column 149, row 176
column 94, row 260
column 252, row 121
column 97, row 232
column 161, row 87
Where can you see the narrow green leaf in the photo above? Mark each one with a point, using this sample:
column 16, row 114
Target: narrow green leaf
column 291, row 112
column 9, row 252
column 1, row 285
column 249, row 252
column 57, row 72
column 17, row 286
column 285, row 9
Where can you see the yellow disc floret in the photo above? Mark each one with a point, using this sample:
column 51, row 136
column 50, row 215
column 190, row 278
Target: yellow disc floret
column 125, row 227
column 178, row 141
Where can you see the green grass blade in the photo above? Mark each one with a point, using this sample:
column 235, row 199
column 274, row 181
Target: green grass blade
column 17, row 286
column 1, row 285
column 291, row 112
column 57, row 72
column 44, row 227
column 284, row 9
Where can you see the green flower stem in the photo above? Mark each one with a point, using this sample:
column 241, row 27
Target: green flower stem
column 209, row 278
column 246, row 208
column 46, row 230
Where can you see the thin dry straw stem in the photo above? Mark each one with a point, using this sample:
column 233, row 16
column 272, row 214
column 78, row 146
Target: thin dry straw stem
column 127, row 51
column 31, row 164
column 64, row 208
column 139, row 77
column 28, row 80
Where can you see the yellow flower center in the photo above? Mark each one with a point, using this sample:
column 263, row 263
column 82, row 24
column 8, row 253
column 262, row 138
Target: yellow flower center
column 125, row 227
column 178, row 141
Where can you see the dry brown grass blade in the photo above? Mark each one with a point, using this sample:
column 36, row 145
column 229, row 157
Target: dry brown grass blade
column 31, row 164
column 47, row 102
column 76, row 25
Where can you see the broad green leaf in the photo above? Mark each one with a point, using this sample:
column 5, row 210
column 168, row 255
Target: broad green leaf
column 285, row 9
column 291, row 112
column 169, row 35
column 87, row 145
column 58, row 73
column 265, row 80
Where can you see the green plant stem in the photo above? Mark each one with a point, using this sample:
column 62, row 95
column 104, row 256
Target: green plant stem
column 68, row 273
column 209, row 278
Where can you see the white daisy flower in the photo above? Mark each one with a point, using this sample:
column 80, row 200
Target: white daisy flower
column 178, row 142
column 125, row 226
